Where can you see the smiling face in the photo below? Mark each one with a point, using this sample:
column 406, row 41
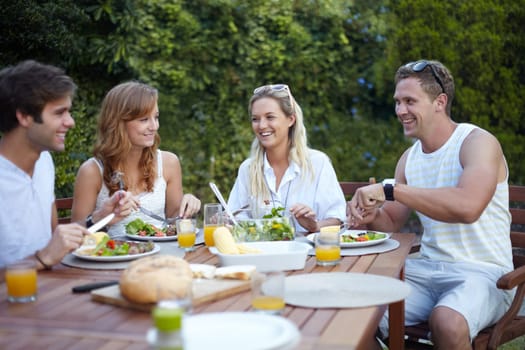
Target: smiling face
column 270, row 124
column 50, row 134
column 142, row 130
column 414, row 107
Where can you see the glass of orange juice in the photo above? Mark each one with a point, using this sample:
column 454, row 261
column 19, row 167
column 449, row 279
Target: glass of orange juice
column 20, row 278
column 328, row 247
column 187, row 233
column 213, row 218
column 268, row 292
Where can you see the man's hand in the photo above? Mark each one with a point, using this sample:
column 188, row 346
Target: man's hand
column 65, row 239
column 363, row 207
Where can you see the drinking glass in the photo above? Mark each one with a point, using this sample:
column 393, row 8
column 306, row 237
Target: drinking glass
column 213, row 218
column 268, row 292
column 187, row 233
column 327, row 248
column 21, row 281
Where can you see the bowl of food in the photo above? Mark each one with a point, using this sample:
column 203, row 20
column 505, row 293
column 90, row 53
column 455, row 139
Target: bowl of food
column 265, row 229
column 267, row 256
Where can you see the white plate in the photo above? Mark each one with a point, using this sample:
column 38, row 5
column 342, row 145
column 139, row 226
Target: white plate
column 355, row 233
column 115, row 258
column 343, row 290
column 237, row 331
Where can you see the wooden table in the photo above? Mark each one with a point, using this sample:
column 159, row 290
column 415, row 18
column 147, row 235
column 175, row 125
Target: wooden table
column 60, row 319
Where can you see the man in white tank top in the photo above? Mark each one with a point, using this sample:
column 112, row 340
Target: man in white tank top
column 455, row 178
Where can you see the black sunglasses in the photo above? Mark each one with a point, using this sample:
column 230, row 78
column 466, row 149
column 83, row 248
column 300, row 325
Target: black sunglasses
column 420, row 66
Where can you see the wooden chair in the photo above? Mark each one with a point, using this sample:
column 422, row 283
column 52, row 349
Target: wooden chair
column 511, row 325
column 64, row 205
column 349, row 187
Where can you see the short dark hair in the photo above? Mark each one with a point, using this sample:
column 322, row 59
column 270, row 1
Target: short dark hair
column 428, row 82
column 28, row 87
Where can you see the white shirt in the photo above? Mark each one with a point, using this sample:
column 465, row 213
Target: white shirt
column 321, row 192
column 25, row 208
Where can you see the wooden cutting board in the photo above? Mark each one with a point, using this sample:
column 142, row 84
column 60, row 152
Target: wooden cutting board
column 204, row 290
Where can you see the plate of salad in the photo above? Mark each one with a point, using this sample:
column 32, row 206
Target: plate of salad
column 140, row 230
column 358, row 238
column 116, row 250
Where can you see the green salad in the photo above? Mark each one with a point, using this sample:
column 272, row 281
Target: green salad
column 272, row 227
column 141, row 228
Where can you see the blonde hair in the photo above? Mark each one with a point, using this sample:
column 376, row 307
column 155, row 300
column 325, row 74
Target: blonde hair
column 123, row 103
column 297, row 140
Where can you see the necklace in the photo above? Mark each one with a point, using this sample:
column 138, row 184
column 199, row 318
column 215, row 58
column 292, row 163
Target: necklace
column 271, row 193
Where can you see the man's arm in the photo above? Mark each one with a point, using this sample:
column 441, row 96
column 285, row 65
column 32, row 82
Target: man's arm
column 483, row 167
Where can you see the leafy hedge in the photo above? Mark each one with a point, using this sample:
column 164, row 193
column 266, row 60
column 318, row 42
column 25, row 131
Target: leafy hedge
column 338, row 56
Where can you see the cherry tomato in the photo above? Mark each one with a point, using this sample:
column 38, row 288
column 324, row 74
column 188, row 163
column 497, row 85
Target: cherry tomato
column 111, row 244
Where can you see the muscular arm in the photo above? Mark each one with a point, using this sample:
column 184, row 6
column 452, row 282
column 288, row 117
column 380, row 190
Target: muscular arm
column 484, row 166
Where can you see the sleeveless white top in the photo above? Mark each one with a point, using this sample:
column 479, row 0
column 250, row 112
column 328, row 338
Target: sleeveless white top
column 485, row 241
column 154, row 201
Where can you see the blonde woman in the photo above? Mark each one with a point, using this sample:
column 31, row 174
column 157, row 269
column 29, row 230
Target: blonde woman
column 282, row 170
column 128, row 170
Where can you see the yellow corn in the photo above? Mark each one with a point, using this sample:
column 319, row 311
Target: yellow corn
column 224, row 241
column 243, row 249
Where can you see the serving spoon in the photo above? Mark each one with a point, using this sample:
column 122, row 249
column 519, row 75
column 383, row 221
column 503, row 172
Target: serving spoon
column 219, row 196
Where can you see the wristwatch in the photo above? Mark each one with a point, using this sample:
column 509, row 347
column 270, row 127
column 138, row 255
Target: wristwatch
column 388, row 188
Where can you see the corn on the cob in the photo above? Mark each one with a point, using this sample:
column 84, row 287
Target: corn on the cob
column 224, row 241
column 243, row 249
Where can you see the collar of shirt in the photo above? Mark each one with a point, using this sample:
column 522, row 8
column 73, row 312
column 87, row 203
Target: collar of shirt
column 291, row 173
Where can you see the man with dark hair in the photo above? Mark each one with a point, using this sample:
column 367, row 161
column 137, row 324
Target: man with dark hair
column 35, row 103
column 455, row 177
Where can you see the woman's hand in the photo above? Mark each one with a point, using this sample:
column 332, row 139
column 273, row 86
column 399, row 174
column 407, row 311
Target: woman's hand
column 305, row 216
column 189, row 206
column 121, row 203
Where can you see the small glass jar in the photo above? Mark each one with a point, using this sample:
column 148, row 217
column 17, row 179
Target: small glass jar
column 167, row 335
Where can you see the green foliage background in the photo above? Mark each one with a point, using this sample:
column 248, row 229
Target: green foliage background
column 338, row 56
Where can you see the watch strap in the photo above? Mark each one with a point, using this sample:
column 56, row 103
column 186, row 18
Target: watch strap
column 389, row 192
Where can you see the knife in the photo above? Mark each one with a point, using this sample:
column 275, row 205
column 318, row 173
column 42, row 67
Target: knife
column 101, row 223
column 151, row 214
column 91, row 286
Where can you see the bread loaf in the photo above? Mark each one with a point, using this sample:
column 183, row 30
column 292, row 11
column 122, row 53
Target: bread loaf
column 154, row 278
column 238, row 272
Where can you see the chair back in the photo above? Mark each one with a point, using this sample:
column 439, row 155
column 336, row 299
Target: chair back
column 517, row 234
column 64, row 206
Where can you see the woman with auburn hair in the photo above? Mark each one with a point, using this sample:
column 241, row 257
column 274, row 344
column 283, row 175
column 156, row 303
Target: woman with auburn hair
column 282, row 170
column 127, row 167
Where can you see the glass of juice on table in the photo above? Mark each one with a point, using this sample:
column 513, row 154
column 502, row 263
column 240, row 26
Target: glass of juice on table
column 213, row 218
column 187, row 233
column 268, row 292
column 328, row 246
column 20, row 278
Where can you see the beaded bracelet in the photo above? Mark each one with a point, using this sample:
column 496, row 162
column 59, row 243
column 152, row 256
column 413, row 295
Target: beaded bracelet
column 46, row 266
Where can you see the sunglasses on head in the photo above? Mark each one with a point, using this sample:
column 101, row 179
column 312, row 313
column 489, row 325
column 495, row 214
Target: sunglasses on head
column 276, row 87
column 420, row 66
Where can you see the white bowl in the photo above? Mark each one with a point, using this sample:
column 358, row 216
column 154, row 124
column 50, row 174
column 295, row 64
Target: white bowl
column 274, row 256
